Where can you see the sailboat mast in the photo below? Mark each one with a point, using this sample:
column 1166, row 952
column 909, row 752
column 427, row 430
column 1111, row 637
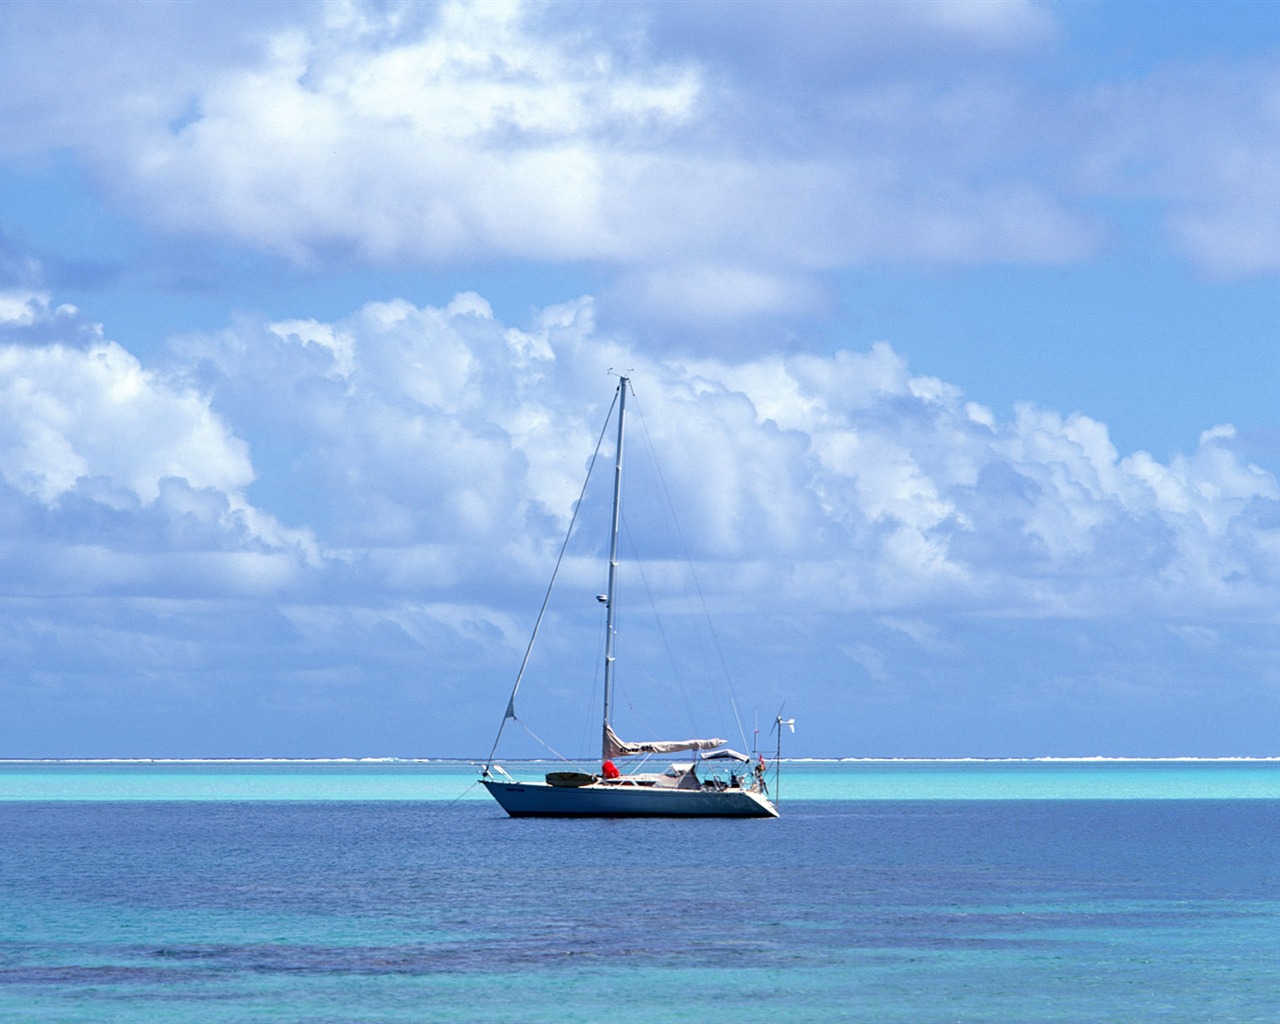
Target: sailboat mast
column 613, row 567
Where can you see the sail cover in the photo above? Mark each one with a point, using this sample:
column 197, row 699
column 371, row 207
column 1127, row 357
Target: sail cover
column 725, row 755
column 614, row 747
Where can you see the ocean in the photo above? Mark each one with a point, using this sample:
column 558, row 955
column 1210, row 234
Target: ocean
column 389, row 891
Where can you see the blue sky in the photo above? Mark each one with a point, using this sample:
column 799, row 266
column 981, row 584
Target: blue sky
column 955, row 329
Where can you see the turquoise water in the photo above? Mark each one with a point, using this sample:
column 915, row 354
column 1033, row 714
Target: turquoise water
column 921, row 892
column 802, row 780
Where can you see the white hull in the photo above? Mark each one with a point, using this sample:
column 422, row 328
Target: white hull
column 606, row 800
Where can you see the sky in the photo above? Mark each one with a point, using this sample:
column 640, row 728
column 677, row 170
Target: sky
column 953, row 328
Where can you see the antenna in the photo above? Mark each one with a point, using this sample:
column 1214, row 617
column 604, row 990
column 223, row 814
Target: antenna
column 778, row 723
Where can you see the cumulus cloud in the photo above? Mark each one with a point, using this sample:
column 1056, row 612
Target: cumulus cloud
column 445, row 434
column 468, row 135
column 91, row 441
column 438, row 448
column 97, row 415
column 328, row 503
column 666, row 141
column 495, row 131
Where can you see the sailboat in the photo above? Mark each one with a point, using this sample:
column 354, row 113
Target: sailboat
column 678, row 792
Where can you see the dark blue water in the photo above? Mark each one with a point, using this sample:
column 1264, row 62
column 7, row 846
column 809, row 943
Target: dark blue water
column 1019, row 911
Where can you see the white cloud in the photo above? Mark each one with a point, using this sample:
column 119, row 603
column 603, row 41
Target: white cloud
column 86, row 427
column 439, row 448
column 460, row 441
column 720, row 175
column 22, row 308
column 470, row 135
column 70, row 415
column 428, row 457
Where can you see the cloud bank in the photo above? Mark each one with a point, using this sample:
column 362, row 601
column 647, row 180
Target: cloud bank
column 444, row 430
column 406, row 473
column 665, row 141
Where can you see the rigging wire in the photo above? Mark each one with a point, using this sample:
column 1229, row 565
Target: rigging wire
column 525, row 726
column 659, row 627
column 684, row 550
column 511, row 701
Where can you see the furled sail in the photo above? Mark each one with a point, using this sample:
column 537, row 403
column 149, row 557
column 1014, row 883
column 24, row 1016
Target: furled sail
column 614, row 747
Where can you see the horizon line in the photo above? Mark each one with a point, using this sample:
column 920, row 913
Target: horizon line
column 1098, row 758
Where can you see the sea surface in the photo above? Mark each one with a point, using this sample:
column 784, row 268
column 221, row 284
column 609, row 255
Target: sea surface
column 392, row 891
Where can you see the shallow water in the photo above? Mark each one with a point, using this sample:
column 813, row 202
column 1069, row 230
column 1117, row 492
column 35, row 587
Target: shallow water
column 801, row 780
column 879, row 910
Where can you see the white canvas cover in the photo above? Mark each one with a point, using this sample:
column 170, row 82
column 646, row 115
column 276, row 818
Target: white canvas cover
column 614, row 747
